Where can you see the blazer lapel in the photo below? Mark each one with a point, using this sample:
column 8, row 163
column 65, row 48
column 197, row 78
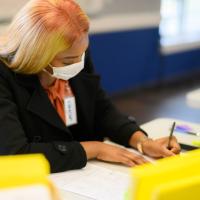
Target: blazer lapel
column 39, row 104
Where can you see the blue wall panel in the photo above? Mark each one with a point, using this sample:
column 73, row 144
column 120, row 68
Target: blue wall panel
column 130, row 59
column 179, row 64
column 126, row 59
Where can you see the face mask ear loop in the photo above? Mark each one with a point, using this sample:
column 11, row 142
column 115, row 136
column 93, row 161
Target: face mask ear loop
column 49, row 65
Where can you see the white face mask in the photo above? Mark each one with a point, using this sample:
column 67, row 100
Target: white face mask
column 68, row 71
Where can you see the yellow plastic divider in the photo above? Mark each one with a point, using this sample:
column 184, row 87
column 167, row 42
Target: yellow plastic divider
column 168, row 178
column 22, row 170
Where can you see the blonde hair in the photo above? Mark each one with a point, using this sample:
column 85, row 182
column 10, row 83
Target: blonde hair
column 41, row 30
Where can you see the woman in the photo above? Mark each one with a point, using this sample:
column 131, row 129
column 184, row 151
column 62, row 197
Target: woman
column 51, row 101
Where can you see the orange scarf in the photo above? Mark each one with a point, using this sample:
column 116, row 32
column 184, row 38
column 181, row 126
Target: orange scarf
column 57, row 93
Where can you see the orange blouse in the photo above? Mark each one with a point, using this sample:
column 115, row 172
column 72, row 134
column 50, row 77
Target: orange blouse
column 57, row 93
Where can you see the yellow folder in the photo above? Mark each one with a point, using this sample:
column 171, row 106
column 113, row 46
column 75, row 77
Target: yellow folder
column 26, row 177
column 22, row 170
column 171, row 178
column 187, row 188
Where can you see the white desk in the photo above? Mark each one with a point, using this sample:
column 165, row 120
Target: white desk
column 161, row 127
column 156, row 128
column 193, row 98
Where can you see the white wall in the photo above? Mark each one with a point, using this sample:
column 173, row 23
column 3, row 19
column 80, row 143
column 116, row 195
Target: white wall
column 132, row 6
column 137, row 13
column 9, row 7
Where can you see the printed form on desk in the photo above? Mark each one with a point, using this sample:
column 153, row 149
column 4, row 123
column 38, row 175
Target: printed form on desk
column 97, row 181
column 93, row 182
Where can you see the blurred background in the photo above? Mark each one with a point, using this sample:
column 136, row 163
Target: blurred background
column 147, row 52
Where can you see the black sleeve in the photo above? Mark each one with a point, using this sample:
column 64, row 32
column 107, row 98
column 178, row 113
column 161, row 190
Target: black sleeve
column 109, row 121
column 13, row 140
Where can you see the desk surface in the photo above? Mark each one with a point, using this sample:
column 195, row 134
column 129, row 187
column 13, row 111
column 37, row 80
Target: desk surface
column 161, row 127
column 156, row 128
column 193, row 98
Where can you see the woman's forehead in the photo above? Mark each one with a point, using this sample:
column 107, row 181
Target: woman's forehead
column 78, row 47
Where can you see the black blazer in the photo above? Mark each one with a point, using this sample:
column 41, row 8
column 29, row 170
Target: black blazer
column 30, row 124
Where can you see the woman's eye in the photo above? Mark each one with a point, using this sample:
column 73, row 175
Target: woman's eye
column 65, row 63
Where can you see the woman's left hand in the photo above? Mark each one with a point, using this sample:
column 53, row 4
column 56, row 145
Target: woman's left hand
column 158, row 148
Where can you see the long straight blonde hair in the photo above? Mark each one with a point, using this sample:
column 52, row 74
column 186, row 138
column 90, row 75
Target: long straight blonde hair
column 40, row 30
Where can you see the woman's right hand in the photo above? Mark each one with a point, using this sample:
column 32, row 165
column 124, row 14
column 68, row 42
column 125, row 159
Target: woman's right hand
column 111, row 153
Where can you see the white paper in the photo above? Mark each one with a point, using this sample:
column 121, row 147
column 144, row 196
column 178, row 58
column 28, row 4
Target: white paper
column 93, row 182
column 99, row 180
column 32, row 192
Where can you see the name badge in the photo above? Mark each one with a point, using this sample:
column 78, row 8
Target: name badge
column 70, row 111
